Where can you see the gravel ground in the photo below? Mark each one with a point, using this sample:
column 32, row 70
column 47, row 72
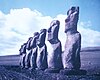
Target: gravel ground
column 15, row 73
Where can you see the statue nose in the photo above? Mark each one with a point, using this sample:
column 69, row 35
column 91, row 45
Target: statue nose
column 49, row 30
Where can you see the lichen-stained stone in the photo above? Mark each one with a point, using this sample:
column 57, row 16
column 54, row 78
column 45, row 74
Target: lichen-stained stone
column 33, row 46
column 54, row 58
column 22, row 52
column 42, row 51
column 28, row 53
column 71, row 55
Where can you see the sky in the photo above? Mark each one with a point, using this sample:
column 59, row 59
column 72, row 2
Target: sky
column 19, row 19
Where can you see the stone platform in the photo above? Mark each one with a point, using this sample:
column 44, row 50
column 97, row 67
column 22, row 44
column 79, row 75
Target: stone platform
column 73, row 72
column 49, row 70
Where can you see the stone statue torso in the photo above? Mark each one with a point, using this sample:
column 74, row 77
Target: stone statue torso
column 42, row 51
column 54, row 58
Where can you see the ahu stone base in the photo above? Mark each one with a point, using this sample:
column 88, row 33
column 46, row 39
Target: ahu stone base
column 73, row 72
column 52, row 70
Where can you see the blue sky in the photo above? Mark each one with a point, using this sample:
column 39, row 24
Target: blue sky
column 89, row 10
column 20, row 18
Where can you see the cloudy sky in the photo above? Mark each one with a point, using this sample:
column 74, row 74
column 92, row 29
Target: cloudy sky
column 19, row 19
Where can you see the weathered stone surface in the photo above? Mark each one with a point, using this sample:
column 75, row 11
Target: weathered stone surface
column 52, row 70
column 42, row 51
column 71, row 55
column 22, row 55
column 28, row 53
column 73, row 72
column 34, row 51
column 72, row 19
column 54, row 58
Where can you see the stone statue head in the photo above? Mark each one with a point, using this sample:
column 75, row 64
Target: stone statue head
column 72, row 10
column 28, row 43
column 34, row 40
column 41, row 38
column 72, row 19
column 22, row 50
column 53, row 30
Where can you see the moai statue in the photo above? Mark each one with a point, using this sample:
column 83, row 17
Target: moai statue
column 42, row 51
column 22, row 55
column 54, row 58
column 34, row 51
column 28, row 53
column 71, row 55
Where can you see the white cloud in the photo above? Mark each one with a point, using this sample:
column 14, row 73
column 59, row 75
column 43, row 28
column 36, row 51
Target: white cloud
column 89, row 37
column 19, row 24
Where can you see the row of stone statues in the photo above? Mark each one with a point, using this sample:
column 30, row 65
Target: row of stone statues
column 34, row 52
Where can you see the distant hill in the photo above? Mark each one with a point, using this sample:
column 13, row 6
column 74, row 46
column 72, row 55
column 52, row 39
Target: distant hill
column 90, row 49
column 90, row 56
column 9, row 60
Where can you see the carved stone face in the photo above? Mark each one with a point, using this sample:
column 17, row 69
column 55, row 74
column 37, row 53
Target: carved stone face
column 23, row 49
column 53, row 30
column 34, row 40
column 72, row 19
column 28, row 43
column 41, row 38
column 72, row 10
column 36, row 36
